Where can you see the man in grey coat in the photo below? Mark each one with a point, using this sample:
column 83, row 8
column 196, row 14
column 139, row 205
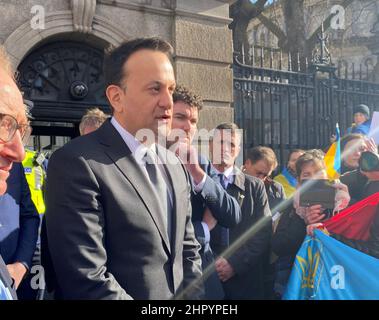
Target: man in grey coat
column 118, row 219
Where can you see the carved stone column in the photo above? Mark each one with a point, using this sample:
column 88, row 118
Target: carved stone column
column 83, row 12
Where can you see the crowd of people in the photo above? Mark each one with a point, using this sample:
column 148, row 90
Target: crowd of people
column 117, row 214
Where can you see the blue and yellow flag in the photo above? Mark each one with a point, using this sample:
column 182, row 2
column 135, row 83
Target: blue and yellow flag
column 333, row 157
column 327, row 269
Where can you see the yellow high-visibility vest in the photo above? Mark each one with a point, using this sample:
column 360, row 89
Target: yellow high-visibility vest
column 35, row 176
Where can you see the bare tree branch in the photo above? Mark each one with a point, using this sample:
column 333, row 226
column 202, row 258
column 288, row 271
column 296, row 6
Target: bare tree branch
column 274, row 28
column 242, row 12
column 311, row 41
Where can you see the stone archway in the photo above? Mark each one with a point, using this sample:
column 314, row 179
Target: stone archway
column 25, row 38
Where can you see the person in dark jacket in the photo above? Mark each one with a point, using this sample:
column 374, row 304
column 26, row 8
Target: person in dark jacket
column 15, row 128
column 241, row 266
column 260, row 163
column 211, row 204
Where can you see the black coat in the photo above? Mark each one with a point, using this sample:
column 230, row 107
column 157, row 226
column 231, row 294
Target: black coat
column 289, row 234
column 247, row 259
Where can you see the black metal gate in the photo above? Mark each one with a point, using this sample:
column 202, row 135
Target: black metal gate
column 286, row 109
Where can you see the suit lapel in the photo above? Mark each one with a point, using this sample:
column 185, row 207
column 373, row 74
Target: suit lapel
column 237, row 189
column 120, row 154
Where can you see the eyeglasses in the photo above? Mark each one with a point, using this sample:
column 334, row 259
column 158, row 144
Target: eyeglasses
column 9, row 126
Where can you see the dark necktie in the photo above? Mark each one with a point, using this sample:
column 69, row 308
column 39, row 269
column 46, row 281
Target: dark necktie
column 224, row 232
column 160, row 187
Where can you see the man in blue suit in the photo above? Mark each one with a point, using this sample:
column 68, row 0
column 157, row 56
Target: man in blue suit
column 211, row 204
column 14, row 129
column 19, row 222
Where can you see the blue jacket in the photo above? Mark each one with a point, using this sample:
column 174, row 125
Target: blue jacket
column 363, row 128
column 19, row 220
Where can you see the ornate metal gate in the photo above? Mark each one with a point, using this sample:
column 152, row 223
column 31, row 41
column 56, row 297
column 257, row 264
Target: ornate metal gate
column 287, row 109
column 63, row 79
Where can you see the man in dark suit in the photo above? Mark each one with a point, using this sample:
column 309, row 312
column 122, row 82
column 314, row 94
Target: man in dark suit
column 241, row 268
column 14, row 124
column 211, row 204
column 118, row 224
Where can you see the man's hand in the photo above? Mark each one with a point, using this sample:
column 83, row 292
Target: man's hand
column 209, row 219
column 224, row 269
column 17, row 272
column 190, row 158
column 313, row 214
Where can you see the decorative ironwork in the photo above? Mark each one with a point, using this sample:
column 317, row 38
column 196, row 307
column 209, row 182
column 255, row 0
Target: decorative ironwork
column 287, row 109
column 322, row 55
column 63, row 75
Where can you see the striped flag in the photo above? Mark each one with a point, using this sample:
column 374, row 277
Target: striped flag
column 333, row 157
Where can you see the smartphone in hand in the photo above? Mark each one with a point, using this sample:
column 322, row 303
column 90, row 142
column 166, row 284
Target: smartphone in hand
column 317, row 191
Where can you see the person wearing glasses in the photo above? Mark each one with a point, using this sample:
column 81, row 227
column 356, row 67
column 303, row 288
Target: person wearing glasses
column 14, row 128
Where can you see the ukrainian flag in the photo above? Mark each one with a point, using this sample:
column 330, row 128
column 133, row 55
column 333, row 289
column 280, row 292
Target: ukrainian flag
column 333, row 157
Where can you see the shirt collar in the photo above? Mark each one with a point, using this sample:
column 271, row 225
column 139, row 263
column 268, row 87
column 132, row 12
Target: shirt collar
column 137, row 148
column 228, row 173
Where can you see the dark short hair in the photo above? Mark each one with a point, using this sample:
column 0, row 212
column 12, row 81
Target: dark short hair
column 262, row 153
column 314, row 156
column 227, row 126
column 350, row 137
column 183, row 94
column 230, row 126
column 115, row 58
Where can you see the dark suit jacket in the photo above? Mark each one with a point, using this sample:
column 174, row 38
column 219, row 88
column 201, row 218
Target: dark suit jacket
column 106, row 235
column 19, row 220
column 248, row 260
column 226, row 211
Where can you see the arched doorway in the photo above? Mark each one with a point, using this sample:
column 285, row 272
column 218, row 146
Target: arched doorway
column 63, row 79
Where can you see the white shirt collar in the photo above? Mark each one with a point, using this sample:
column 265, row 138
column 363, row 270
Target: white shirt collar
column 228, row 173
column 137, row 148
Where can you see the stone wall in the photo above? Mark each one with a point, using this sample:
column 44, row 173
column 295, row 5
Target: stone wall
column 197, row 29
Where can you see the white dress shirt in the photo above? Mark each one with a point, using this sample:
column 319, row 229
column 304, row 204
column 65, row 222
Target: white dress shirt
column 138, row 151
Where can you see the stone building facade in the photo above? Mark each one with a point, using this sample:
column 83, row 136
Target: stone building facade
column 35, row 33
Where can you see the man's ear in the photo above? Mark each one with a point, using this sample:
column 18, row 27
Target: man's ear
column 115, row 99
